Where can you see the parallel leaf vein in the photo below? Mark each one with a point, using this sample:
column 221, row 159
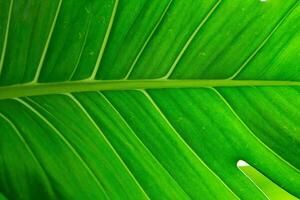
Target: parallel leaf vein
column 28, row 148
column 80, row 106
column 188, row 42
column 105, row 40
column 68, row 144
column 250, row 131
column 147, row 40
column 264, row 42
column 40, row 65
column 142, row 143
column 184, row 142
column 6, row 36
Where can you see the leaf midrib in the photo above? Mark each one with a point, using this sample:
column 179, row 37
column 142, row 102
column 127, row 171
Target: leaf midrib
column 33, row 89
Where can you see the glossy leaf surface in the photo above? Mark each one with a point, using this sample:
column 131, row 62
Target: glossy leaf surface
column 128, row 99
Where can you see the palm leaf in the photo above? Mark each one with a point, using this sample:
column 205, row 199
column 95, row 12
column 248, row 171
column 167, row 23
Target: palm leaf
column 160, row 99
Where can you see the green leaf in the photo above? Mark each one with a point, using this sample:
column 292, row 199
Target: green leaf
column 116, row 99
column 270, row 189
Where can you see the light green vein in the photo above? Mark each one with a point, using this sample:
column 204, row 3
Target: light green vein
column 39, row 68
column 250, row 131
column 188, row 42
column 264, row 42
column 82, row 47
column 147, row 41
column 142, row 143
column 253, row 182
column 33, row 89
column 105, row 40
column 69, row 145
column 184, row 142
column 80, row 106
column 6, row 35
column 27, row 147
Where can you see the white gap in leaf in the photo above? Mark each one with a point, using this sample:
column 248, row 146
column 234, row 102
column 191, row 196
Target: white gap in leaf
column 270, row 189
column 241, row 163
